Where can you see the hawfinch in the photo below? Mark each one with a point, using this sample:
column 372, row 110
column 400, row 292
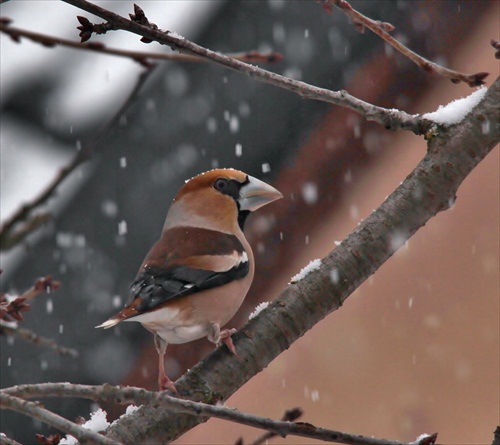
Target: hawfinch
column 194, row 279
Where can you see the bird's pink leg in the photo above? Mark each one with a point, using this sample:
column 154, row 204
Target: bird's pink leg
column 163, row 381
column 225, row 337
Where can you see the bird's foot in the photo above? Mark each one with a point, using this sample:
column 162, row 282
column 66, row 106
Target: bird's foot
column 164, row 383
column 225, row 337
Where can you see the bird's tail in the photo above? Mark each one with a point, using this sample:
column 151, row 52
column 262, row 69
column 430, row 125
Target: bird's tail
column 110, row 323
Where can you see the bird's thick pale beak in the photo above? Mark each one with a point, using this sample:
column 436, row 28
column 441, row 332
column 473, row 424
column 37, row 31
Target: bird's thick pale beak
column 256, row 193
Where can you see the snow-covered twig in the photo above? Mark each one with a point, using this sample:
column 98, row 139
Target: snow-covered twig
column 36, row 411
column 382, row 29
column 389, row 118
column 118, row 394
column 143, row 58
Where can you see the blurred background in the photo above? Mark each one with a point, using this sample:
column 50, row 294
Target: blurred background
column 415, row 349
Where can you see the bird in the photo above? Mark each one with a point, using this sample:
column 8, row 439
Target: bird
column 196, row 276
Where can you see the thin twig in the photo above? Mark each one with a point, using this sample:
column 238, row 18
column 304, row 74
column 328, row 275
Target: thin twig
column 126, row 395
column 36, row 411
column 4, row 440
column 84, row 154
column 143, row 58
column 11, row 309
column 382, row 29
column 32, row 337
column 290, row 415
column 390, row 118
column 42, row 285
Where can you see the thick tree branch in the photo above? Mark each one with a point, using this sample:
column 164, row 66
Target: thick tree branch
column 382, row 30
column 160, row 400
column 429, row 189
column 141, row 57
column 393, row 119
column 36, row 411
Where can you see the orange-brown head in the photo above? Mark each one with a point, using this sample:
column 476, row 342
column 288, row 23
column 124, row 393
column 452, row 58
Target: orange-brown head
column 220, row 198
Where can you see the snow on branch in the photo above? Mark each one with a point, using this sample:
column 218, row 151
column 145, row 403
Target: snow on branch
column 126, row 395
column 37, row 411
column 306, row 270
column 455, row 111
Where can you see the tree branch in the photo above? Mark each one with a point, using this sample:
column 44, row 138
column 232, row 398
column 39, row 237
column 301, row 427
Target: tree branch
column 36, row 411
column 32, row 337
column 142, row 58
column 160, row 400
column 429, row 189
column 391, row 119
column 4, row 440
column 382, row 30
column 290, row 415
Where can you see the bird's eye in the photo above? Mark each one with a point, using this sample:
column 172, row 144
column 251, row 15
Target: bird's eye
column 220, row 184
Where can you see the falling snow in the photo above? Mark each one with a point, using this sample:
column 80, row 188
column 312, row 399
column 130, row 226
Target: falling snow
column 122, row 228
column 66, row 240
column 315, row 395
column 244, row 109
column 348, row 176
column 234, row 124
column 211, row 125
column 354, row 211
column 109, row 208
column 313, row 265
column 238, row 150
column 266, row 168
column 117, row 301
column 310, row 193
column 397, row 240
column 334, row 275
column 123, row 162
